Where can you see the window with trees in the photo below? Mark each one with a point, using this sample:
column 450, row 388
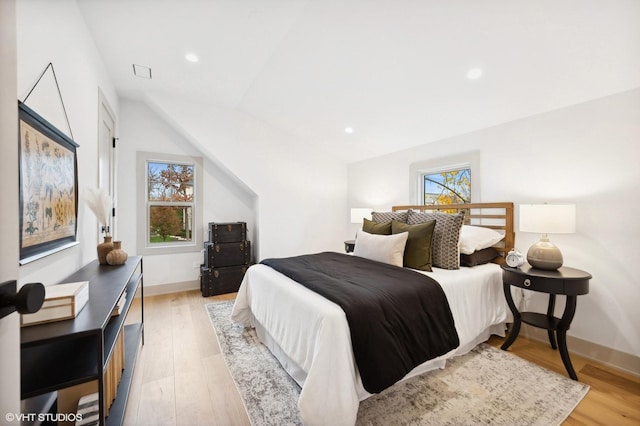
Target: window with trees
column 446, row 180
column 447, row 187
column 169, row 212
column 170, row 199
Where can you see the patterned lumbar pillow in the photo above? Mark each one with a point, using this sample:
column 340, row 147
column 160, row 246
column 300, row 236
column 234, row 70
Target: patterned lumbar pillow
column 446, row 235
column 387, row 217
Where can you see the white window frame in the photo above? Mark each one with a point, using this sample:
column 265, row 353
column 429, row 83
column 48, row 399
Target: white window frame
column 467, row 160
column 143, row 205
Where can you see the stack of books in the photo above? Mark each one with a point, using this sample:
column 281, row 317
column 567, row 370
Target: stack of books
column 61, row 302
column 118, row 308
column 89, row 409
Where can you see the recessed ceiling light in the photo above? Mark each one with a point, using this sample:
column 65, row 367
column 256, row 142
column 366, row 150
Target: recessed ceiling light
column 191, row 57
column 348, row 130
column 474, row 73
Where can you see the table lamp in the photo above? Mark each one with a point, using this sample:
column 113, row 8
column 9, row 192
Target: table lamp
column 359, row 213
column 547, row 219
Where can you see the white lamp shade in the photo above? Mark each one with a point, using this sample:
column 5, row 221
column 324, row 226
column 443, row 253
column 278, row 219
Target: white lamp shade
column 359, row 213
column 548, row 218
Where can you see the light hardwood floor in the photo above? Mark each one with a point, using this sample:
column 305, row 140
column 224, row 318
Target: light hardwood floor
column 181, row 377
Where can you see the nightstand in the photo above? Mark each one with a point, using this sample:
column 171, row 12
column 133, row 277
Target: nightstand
column 349, row 246
column 566, row 281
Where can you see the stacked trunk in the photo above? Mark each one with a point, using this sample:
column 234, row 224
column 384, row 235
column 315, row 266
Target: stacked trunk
column 226, row 259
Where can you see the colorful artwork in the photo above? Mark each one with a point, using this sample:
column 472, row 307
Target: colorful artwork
column 48, row 186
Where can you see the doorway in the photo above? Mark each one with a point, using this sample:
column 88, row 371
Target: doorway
column 106, row 154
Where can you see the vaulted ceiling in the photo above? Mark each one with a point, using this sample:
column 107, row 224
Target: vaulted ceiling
column 394, row 71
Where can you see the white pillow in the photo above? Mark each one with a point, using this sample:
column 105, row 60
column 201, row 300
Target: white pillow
column 383, row 248
column 474, row 238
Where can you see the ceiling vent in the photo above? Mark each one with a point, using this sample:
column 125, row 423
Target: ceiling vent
column 142, row 71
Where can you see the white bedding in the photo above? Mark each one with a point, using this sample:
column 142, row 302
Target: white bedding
column 310, row 336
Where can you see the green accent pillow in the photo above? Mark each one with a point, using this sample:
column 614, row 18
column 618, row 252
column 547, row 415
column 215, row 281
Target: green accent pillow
column 417, row 253
column 372, row 227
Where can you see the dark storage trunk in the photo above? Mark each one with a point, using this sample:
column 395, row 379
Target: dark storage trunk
column 215, row 281
column 227, row 257
column 227, row 232
column 228, row 254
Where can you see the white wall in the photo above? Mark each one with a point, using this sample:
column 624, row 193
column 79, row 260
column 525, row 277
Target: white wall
column 586, row 154
column 225, row 199
column 294, row 201
column 46, row 32
column 55, row 32
column 301, row 194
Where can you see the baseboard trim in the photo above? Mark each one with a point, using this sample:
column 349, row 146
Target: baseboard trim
column 611, row 357
column 156, row 290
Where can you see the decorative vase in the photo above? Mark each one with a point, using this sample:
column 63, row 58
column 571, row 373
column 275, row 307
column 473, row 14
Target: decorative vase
column 117, row 256
column 103, row 249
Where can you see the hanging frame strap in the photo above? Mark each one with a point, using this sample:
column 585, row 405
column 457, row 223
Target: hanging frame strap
column 59, row 93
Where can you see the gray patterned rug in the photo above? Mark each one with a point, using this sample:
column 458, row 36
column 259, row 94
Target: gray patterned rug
column 485, row 387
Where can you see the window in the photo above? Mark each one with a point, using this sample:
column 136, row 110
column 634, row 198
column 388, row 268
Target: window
column 446, row 180
column 447, row 187
column 170, row 200
column 168, row 203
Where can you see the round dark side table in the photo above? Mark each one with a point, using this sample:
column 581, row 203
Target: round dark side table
column 566, row 281
column 349, row 245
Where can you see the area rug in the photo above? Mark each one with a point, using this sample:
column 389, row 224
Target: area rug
column 487, row 386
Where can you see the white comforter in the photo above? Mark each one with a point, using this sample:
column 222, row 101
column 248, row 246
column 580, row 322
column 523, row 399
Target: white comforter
column 310, row 335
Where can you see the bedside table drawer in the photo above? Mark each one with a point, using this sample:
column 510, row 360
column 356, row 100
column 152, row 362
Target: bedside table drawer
column 545, row 285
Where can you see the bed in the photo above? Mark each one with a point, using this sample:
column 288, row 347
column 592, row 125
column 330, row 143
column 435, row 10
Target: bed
column 310, row 335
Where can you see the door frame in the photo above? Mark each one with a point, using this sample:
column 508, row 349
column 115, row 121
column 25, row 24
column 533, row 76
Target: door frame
column 9, row 225
column 107, row 144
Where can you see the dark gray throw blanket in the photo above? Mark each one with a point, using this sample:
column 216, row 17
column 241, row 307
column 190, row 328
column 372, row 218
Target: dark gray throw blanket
column 398, row 318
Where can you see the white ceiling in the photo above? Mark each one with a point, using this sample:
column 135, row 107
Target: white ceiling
column 393, row 70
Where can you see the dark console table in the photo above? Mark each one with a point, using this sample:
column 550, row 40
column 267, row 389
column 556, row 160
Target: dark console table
column 65, row 353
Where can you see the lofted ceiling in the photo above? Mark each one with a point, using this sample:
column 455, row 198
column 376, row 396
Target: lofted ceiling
column 394, row 71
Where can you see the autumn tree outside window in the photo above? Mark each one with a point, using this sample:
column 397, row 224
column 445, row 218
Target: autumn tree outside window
column 447, row 187
column 170, row 192
column 169, row 209
column 446, row 180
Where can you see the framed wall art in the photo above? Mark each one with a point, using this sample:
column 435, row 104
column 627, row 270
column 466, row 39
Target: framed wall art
column 48, row 187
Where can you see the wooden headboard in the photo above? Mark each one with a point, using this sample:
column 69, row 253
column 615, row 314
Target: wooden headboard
column 497, row 216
